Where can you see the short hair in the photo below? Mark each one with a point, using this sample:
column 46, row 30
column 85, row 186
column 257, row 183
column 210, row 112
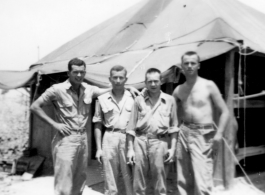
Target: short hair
column 118, row 68
column 153, row 70
column 77, row 62
column 190, row 53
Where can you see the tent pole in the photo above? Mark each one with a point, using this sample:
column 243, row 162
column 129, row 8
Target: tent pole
column 33, row 91
column 229, row 133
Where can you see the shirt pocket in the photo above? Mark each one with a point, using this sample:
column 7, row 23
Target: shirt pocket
column 164, row 118
column 86, row 105
column 66, row 107
column 109, row 115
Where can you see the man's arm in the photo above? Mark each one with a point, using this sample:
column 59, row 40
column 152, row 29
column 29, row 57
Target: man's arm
column 171, row 151
column 98, row 138
column 178, row 103
column 36, row 108
column 130, row 133
column 130, row 153
column 222, row 107
column 173, row 131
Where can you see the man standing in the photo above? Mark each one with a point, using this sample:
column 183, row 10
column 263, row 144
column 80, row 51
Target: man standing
column 153, row 120
column 71, row 100
column 114, row 111
column 198, row 137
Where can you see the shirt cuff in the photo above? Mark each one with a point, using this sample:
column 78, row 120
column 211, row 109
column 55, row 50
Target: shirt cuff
column 131, row 132
column 96, row 120
column 173, row 130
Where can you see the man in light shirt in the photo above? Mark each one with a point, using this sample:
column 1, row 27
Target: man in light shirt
column 153, row 121
column 114, row 111
column 71, row 100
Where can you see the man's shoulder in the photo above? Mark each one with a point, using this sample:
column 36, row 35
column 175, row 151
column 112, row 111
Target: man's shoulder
column 206, row 81
column 177, row 89
column 168, row 97
column 104, row 96
column 85, row 85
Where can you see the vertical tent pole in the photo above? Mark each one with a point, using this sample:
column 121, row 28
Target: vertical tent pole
column 229, row 133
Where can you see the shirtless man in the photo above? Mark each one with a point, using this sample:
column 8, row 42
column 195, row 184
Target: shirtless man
column 198, row 137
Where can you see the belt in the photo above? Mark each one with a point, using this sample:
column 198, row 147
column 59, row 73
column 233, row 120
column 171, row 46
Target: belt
column 78, row 131
column 153, row 136
column 116, row 130
column 198, row 125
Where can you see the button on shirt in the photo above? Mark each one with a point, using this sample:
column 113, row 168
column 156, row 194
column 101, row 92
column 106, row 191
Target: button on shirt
column 162, row 120
column 112, row 114
column 71, row 109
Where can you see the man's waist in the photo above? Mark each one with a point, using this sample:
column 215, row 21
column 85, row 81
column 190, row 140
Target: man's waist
column 116, row 130
column 152, row 135
column 78, row 131
column 193, row 125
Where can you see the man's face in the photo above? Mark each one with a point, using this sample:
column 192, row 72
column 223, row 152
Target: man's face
column 77, row 74
column 153, row 82
column 118, row 79
column 190, row 64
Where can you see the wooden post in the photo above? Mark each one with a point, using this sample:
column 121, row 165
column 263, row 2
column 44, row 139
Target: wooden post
column 229, row 133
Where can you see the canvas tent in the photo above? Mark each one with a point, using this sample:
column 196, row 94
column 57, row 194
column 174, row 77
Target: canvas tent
column 153, row 33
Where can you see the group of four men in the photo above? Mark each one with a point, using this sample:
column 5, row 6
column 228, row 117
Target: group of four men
column 143, row 135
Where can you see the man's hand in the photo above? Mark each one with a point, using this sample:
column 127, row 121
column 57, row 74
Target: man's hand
column 216, row 142
column 62, row 128
column 144, row 92
column 131, row 157
column 99, row 155
column 133, row 91
column 169, row 156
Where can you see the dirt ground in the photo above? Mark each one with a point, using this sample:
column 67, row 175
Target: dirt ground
column 14, row 185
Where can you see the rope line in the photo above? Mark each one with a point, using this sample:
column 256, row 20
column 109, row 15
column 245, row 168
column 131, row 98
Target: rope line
column 139, row 63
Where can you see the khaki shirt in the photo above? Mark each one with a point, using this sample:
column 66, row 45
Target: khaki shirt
column 163, row 120
column 111, row 114
column 69, row 108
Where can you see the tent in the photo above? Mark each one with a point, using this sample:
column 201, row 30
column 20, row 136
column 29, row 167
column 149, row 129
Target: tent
column 153, row 33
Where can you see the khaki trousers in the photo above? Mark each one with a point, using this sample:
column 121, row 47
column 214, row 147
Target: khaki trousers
column 118, row 175
column 194, row 161
column 70, row 164
column 149, row 169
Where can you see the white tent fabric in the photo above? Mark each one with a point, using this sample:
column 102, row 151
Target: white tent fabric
column 155, row 33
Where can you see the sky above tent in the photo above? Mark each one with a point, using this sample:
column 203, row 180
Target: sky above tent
column 30, row 29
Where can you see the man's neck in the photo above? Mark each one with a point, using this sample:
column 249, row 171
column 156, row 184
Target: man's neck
column 191, row 80
column 76, row 87
column 118, row 92
column 154, row 97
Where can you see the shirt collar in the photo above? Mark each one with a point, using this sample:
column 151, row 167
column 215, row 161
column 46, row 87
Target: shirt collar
column 162, row 96
column 68, row 85
column 126, row 93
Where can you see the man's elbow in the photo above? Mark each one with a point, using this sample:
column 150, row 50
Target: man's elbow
column 34, row 108
column 226, row 112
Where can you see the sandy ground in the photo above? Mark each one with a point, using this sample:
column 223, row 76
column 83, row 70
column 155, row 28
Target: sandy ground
column 38, row 186
column 14, row 185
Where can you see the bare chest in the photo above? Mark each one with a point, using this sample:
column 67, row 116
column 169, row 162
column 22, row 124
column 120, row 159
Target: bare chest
column 196, row 97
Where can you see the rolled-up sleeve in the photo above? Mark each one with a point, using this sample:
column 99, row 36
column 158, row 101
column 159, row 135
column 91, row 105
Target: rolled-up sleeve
column 98, row 115
column 49, row 95
column 173, row 128
column 95, row 90
column 133, row 119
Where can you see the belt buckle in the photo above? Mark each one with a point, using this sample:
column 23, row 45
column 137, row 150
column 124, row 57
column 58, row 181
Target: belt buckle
column 149, row 136
column 81, row 131
column 193, row 126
